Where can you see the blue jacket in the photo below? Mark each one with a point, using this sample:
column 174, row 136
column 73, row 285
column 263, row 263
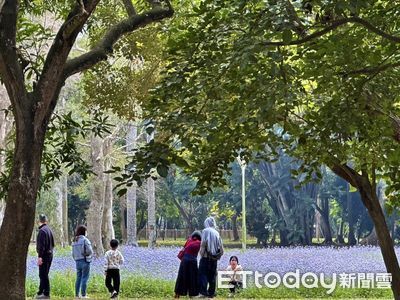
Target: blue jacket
column 82, row 249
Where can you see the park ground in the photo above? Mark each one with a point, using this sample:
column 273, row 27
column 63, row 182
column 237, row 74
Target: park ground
column 151, row 273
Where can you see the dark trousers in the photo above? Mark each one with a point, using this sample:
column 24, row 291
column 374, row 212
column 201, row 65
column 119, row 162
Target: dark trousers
column 44, row 268
column 113, row 275
column 236, row 285
column 207, row 275
column 187, row 281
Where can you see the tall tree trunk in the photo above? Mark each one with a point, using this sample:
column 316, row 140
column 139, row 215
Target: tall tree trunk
column 323, row 213
column 151, row 206
column 122, row 210
column 283, row 233
column 351, row 240
column 318, row 229
column 308, row 228
column 58, row 227
column 96, row 207
column 339, row 238
column 371, row 202
column 65, row 209
column 235, row 227
column 107, row 224
column 372, row 238
column 131, row 195
column 151, row 212
column 5, row 126
column 19, row 215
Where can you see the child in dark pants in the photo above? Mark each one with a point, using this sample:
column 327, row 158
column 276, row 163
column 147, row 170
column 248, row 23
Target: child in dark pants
column 113, row 261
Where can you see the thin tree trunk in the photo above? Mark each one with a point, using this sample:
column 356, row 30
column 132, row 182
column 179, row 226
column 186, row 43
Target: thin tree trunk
column 151, row 207
column 339, row 238
column 65, row 209
column 324, row 221
column 351, row 240
column 107, row 224
column 235, row 228
column 317, row 219
column 122, row 209
column 5, row 124
column 95, row 211
column 58, row 216
column 131, row 195
column 371, row 239
column 151, row 212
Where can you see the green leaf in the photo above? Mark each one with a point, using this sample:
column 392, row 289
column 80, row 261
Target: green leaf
column 122, row 192
column 287, row 36
column 162, row 170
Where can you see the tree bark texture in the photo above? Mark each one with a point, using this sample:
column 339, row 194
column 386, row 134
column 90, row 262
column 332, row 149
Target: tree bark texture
column 96, row 207
column 371, row 201
column 131, row 195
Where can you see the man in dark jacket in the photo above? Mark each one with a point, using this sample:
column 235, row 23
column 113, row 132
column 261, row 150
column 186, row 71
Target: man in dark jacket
column 44, row 248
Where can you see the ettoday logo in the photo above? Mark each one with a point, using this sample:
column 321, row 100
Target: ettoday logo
column 309, row 280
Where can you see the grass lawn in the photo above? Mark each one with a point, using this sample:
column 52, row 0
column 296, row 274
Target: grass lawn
column 62, row 287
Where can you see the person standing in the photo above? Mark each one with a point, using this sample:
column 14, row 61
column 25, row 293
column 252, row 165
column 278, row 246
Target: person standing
column 113, row 262
column 82, row 253
column 211, row 250
column 44, row 249
column 187, row 280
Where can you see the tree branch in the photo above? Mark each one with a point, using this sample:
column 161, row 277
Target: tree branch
column 129, row 7
column 154, row 3
column 51, row 79
column 372, row 70
column 334, row 25
column 105, row 45
column 63, row 42
column 10, row 69
column 297, row 25
column 347, row 173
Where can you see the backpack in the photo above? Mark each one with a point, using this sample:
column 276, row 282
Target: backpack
column 218, row 255
column 215, row 257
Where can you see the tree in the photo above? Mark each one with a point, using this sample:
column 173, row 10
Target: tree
column 5, row 126
column 33, row 102
column 151, row 206
column 295, row 75
column 131, row 194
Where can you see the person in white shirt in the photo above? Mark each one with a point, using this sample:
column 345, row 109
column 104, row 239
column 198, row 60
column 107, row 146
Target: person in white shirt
column 113, row 262
column 236, row 280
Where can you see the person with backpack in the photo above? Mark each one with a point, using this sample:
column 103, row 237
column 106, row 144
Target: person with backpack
column 82, row 253
column 211, row 250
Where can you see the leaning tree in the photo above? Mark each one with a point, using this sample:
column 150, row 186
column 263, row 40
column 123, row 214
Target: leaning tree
column 33, row 84
column 316, row 78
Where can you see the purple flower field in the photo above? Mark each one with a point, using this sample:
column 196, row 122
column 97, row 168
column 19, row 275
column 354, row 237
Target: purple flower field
column 162, row 262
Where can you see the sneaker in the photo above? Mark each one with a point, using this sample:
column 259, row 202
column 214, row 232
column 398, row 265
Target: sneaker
column 42, row 296
column 114, row 295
